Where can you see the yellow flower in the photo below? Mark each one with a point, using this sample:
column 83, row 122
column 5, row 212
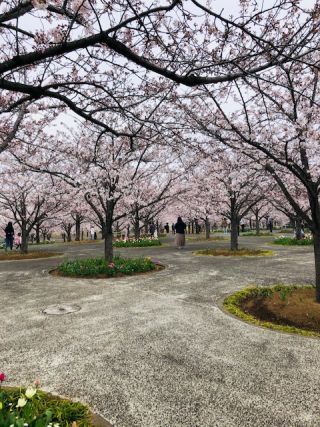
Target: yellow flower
column 1, row 405
column 21, row 402
column 30, row 392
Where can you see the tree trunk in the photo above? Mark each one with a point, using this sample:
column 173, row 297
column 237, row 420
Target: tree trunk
column 234, row 225
column 257, row 224
column 234, row 234
column 108, row 248
column 207, row 226
column 24, row 238
column 108, row 239
column 37, row 233
column 68, row 230
column 316, row 247
column 136, row 225
column 78, row 226
column 298, row 229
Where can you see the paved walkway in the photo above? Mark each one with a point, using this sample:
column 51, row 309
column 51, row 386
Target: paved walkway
column 155, row 350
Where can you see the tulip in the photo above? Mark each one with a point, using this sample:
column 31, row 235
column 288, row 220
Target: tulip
column 30, row 392
column 21, row 402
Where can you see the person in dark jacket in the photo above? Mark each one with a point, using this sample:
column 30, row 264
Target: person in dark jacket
column 180, row 228
column 9, row 235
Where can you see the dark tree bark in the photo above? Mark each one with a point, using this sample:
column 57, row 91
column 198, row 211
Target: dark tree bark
column 257, row 223
column 24, row 237
column 298, row 229
column 316, row 247
column 207, row 227
column 38, row 233
column 234, row 219
column 78, row 227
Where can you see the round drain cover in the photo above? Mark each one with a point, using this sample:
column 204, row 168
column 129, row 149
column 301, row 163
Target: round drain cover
column 61, row 309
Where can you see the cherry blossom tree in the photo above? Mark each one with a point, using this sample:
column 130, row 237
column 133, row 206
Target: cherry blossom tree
column 71, row 53
column 110, row 174
column 276, row 125
column 29, row 201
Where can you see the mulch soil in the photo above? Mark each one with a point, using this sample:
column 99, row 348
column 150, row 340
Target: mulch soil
column 8, row 256
column 298, row 308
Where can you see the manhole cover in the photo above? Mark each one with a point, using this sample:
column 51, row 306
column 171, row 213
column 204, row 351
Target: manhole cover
column 61, row 309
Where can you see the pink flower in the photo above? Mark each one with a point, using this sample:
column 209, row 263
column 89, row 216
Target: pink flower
column 2, row 376
column 37, row 382
column 111, row 265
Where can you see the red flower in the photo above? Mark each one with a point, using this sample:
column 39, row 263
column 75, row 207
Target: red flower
column 2, row 376
column 111, row 265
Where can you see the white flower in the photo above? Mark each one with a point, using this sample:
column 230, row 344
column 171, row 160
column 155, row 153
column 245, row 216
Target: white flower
column 30, row 392
column 21, row 402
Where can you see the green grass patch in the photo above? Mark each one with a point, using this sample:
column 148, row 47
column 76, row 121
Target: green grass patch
column 98, row 267
column 239, row 252
column 139, row 243
column 291, row 241
column 233, row 303
column 39, row 409
column 203, row 239
column 253, row 233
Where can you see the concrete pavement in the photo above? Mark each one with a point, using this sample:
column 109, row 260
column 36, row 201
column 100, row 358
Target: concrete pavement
column 155, row 350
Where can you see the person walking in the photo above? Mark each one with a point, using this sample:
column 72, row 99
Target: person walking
column 18, row 241
column 180, row 229
column 9, row 235
column 152, row 229
column 92, row 233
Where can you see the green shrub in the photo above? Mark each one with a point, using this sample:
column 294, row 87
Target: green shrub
column 39, row 409
column 292, row 241
column 98, row 266
column 132, row 243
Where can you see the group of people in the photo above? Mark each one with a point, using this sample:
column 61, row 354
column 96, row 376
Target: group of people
column 10, row 237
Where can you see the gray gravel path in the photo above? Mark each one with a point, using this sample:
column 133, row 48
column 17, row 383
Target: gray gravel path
column 155, row 350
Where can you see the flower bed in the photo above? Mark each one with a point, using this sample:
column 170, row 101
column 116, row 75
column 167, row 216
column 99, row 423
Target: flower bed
column 292, row 241
column 228, row 252
column 280, row 307
column 98, row 267
column 31, row 407
column 139, row 243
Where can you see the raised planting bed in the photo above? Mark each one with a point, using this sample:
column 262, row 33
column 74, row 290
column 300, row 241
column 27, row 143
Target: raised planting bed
column 292, row 241
column 281, row 307
column 99, row 268
column 203, row 239
column 229, row 252
column 15, row 255
column 139, row 243
column 34, row 408
column 254, row 234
